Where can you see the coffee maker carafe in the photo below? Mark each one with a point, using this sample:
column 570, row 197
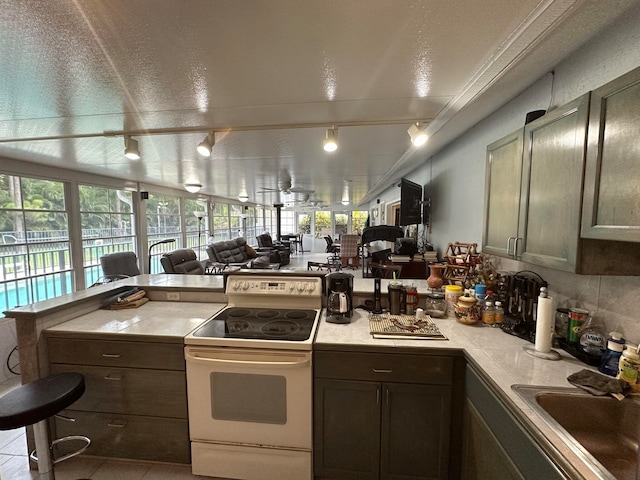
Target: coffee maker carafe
column 339, row 297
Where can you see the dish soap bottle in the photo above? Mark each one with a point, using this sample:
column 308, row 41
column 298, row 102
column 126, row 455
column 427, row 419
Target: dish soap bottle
column 592, row 337
column 611, row 358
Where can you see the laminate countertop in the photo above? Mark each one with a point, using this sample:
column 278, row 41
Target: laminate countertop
column 495, row 354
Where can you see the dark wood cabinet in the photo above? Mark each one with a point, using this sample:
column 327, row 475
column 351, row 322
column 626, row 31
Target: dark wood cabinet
column 397, row 428
column 135, row 402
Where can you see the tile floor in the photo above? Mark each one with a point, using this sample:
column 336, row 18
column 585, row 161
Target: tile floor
column 14, row 463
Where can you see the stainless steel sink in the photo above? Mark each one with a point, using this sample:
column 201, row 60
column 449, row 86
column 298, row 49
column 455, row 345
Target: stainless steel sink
column 603, row 431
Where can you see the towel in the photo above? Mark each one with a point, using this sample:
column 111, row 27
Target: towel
column 598, row 384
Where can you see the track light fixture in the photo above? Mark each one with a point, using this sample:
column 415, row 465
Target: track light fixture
column 205, row 146
column 192, row 187
column 418, row 134
column 331, row 140
column 131, row 148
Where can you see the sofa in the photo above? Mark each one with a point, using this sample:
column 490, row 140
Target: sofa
column 236, row 252
column 276, row 250
column 183, row 260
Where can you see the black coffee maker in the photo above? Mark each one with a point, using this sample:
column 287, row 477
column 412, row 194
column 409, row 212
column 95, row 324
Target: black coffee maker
column 339, row 297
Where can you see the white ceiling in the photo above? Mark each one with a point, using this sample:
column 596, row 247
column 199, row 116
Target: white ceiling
column 269, row 76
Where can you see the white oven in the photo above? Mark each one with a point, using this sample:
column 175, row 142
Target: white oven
column 249, row 381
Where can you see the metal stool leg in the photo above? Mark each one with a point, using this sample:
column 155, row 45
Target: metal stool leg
column 41, row 437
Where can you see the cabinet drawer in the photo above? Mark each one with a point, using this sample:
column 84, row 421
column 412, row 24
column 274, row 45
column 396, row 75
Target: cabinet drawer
column 134, row 391
column 425, row 369
column 116, row 353
column 129, row 436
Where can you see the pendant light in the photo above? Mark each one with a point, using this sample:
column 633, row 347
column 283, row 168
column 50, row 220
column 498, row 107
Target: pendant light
column 192, row 187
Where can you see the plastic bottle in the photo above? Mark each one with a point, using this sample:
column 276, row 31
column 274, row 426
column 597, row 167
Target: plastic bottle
column 611, row 359
column 480, row 293
column 451, row 295
column 592, row 337
column 488, row 314
column 498, row 314
column 629, row 364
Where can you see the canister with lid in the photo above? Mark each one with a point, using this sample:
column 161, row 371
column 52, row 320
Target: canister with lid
column 451, row 295
column 435, row 305
column 577, row 317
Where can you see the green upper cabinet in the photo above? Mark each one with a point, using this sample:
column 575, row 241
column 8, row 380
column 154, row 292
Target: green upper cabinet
column 612, row 178
column 535, row 184
column 551, row 187
column 502, row 194
column 533, row 189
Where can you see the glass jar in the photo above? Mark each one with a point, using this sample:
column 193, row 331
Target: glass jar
column 435, row 305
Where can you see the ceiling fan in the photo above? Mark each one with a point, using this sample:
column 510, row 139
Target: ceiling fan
column 285, row 186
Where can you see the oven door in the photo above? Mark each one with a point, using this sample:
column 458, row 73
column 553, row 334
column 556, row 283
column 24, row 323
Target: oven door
column 250, row 396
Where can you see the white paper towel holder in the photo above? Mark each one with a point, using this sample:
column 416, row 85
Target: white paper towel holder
column 550, row 355
column 531, row 349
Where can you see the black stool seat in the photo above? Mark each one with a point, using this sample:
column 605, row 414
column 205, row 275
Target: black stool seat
column 39, row 400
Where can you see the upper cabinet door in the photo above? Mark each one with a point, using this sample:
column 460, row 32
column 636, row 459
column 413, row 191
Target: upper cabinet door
column 554, row 156
column 612, row 177
column 502, row 194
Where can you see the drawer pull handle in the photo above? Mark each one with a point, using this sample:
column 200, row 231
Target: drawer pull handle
column 113, row 377
column 382, row 370
column 66, row 419
column 117, row 424
column 111, row 355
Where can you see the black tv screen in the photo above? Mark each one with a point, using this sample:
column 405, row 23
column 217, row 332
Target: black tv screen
column 410, row 203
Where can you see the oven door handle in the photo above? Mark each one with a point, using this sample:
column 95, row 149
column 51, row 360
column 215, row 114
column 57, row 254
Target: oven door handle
column 202, row 357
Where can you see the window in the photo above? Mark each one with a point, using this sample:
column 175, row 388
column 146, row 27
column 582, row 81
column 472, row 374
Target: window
column 163, row 223
column 341, row 223
column 196, row 224
column 107, row 220
column 287, row 222
column 35, row 257
column 250, row 224
column 220, row 226
column 235, row 221
column 323, row 223
column 358, row 221
column 304, row 223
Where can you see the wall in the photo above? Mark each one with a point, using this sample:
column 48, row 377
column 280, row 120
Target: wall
column 456, row 174
column 8, row 341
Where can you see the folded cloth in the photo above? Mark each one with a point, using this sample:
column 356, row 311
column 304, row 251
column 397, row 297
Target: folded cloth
column 124, row 305
column 598, row 384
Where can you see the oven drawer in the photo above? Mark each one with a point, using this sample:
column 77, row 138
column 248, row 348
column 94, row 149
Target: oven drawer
column 76, row 351
column 379, row 367
column 129, row 436
column 160, row 393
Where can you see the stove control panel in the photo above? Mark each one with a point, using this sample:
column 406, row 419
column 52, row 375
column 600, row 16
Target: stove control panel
column 275, row 286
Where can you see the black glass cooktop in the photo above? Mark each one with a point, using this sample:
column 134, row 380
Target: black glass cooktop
column 259, row 323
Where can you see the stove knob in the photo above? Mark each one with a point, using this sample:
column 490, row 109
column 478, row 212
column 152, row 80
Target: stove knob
column 311, row 287
column 245, row 285
column 301, row 287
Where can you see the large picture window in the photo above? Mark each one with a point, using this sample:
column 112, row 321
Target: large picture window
column 108, row 226
column 35, row 257
column 163, row 223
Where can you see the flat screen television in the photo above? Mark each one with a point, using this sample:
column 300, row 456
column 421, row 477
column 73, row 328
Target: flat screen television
column 410, row 203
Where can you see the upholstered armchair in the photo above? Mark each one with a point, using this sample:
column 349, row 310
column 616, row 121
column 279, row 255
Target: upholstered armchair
column 119, row 265
column 267, row 245
column 237, row 253
column 183, row 260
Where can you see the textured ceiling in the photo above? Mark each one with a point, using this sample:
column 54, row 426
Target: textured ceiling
column 268, row 75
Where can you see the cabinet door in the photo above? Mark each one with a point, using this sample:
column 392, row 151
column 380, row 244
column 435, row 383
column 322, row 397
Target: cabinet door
column 346, row 429
column 612, row 177
column 551, row 197
column 502, row 194
column 483, row 457
column 415, row 432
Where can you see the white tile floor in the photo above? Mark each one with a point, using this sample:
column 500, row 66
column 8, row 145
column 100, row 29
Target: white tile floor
column 14, row 463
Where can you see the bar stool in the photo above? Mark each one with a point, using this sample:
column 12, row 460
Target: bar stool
column 32, row 404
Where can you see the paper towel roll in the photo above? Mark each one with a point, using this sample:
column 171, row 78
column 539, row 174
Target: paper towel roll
column 544, row 323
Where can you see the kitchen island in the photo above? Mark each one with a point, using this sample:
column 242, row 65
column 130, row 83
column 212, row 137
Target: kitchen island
column 497, row 357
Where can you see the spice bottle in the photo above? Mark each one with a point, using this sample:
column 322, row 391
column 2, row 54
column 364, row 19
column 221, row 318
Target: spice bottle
column 629, row 364
column 611, row 358
column 498, row 314
column 488, row 314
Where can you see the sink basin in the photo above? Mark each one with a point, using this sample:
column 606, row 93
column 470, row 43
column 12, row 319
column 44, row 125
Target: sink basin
column 603, row 431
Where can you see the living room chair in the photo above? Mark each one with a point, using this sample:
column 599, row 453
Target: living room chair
column 349, row 252
column 266, row 244
column 183, row 261
column 119, row 265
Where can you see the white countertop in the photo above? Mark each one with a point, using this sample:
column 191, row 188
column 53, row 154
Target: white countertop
column 499, row 355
